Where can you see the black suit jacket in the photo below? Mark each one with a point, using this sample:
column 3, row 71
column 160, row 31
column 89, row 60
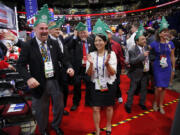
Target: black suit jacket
column 31, row 55
column 136, row 59
column 75, row 48
column 20, row 43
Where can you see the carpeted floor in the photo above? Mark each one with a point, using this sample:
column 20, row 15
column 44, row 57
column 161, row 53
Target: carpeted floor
column 139, row 122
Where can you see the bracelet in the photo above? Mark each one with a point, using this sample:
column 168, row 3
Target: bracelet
column 173, row 69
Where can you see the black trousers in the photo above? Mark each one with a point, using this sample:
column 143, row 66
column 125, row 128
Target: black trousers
column 65, row 83
column 143, row 90
column 40, row 107
column 118, row 90
column 81, row 76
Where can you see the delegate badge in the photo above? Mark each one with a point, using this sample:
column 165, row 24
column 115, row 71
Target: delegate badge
column 163, row 61
column 101, row 84
column 49, row 72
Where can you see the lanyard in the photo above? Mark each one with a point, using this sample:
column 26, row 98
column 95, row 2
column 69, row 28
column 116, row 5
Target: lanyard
column 102, row 65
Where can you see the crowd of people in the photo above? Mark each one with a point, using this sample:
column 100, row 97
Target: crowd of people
column 98, row 59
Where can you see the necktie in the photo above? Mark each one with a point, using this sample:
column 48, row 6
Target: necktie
column 145, row 62
column 44, row 52
column 84, row 54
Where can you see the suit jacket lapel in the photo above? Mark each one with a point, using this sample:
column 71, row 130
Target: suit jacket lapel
column 50, row 47
column 137, row 51
column 81, row 48
column 36, row 51
column 89, row 44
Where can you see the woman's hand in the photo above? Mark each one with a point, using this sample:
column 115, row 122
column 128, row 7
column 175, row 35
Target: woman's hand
column 90, row 59
column 107, row 59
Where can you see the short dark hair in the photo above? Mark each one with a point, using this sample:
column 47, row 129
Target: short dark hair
column 137, row 39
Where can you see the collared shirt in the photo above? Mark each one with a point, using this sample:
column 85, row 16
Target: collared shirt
column 46, row 47
column 146, row 61
column 130, row 42
column 140, row 48
column 40, row 43
column 59, row 41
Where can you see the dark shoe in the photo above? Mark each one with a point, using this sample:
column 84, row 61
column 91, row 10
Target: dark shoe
column 66, row 112
column 128, row 109
column 45, row 133
column 143, row 107
column 58, row 131
column 151, row 91
column 108, row 132
column 74, row 107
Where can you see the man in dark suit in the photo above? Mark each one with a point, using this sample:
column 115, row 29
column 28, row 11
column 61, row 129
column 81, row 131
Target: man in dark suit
column 138, row 72
column 80, row 45
column 54, row 33
column 43, row 55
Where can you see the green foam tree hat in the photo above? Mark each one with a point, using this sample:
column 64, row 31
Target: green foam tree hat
column 81, row 27
column 163, row 25
column 107, row 28
column 43, row 16
column 58, row 24
column 140, row 31
column 100, row 28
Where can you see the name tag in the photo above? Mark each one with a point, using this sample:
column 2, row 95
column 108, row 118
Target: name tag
column 49, row 72
column 163, row 61
column 101, row 84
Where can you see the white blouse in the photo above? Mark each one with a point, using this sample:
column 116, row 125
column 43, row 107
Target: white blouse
column 112, row 62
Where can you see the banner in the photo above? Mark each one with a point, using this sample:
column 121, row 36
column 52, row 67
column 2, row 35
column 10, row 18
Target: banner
column 51, row 11
column 88, row 22
column 7, row 17
column 31, row 10
column 68, row 28
column 32, row 34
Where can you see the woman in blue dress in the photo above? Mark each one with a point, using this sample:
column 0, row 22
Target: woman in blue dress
column 163, row 65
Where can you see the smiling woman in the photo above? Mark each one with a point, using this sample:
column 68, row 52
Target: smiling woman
column 101, row 67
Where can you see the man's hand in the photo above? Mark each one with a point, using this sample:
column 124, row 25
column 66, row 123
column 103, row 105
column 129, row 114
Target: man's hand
column 32, row 83
column 70, row 72
column 146, row 53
